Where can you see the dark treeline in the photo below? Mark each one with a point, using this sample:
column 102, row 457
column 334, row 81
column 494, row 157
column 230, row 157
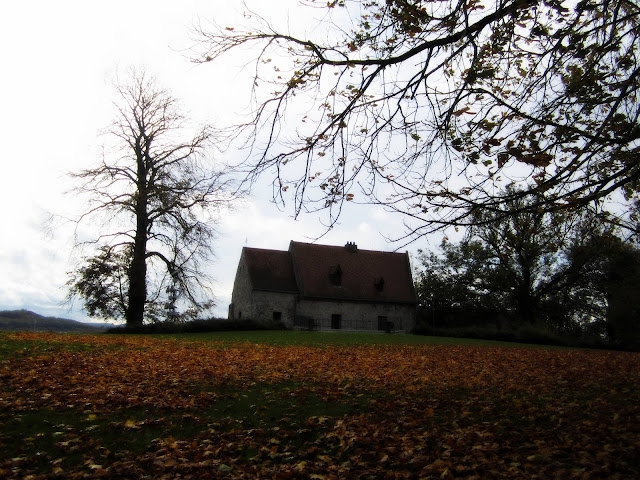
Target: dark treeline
column 544, row 277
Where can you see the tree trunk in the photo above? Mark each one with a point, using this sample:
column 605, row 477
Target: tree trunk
column 526, row 307
column 526, row 304
column 137, row 282
column 138, row 267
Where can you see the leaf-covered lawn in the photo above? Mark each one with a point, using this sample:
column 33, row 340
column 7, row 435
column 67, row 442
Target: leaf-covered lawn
column 140, row 407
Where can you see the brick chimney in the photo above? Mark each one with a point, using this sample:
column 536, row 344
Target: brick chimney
column 351, row 247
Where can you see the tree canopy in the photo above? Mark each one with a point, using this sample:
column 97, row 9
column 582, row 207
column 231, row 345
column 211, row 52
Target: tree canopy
column 157, row 197
column 564, row 272
column 432, row 108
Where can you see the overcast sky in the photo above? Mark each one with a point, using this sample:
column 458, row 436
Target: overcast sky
column 57, row 60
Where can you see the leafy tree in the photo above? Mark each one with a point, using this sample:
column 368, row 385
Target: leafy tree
column 450, row 289
column 538, row 267
column 432, row 107
column 158, row 203
column 618, row 279
column 102, row 282
column 451, row 280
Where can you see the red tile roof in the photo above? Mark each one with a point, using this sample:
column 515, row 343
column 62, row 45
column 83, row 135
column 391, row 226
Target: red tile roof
column 270, row 270
column 359, row 271
column 310, row 270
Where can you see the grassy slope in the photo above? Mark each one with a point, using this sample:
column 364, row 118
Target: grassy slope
column 320, row 339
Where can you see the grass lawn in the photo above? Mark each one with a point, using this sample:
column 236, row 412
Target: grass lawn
column 275, row 404
column 327, row 338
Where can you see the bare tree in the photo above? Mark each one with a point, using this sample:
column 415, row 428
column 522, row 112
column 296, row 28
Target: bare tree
column 158, row 200
column 432, row 108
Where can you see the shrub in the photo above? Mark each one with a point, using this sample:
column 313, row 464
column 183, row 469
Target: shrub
column 197, row 326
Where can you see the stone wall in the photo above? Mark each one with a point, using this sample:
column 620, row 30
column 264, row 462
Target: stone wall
column 241, row 294
column 328, row 315
column 260, row 306
column 271, row 307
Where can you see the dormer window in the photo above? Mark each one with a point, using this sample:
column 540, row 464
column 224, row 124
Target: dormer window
column 378, row 282
column 335, row 275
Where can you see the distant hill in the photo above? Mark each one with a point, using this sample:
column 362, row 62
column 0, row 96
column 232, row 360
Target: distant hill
column 25, row 320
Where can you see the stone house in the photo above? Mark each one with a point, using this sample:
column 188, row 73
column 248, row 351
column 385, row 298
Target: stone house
column 325, row 287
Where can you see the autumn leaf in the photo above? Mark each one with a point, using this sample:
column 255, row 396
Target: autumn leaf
column 197, row 409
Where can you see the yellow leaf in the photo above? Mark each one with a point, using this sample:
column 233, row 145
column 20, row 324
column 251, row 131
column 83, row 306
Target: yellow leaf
column 130, row 424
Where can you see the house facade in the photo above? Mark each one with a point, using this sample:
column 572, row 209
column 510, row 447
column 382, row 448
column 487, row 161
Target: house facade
column 325, row 287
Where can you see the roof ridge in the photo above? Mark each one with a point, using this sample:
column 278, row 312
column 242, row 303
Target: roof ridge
column 343, row 247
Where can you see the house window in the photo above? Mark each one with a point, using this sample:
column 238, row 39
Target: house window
column 379, row 284
column 277, row 316
column 336, row 321
column 385, row 324
column 335, row 275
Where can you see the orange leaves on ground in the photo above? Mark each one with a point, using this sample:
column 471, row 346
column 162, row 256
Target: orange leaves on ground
column 333, row 412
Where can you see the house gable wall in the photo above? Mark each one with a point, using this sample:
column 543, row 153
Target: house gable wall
column 263, row 306
column 248, row 303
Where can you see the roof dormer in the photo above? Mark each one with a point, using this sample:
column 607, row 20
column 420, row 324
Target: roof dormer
column 335, row 275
